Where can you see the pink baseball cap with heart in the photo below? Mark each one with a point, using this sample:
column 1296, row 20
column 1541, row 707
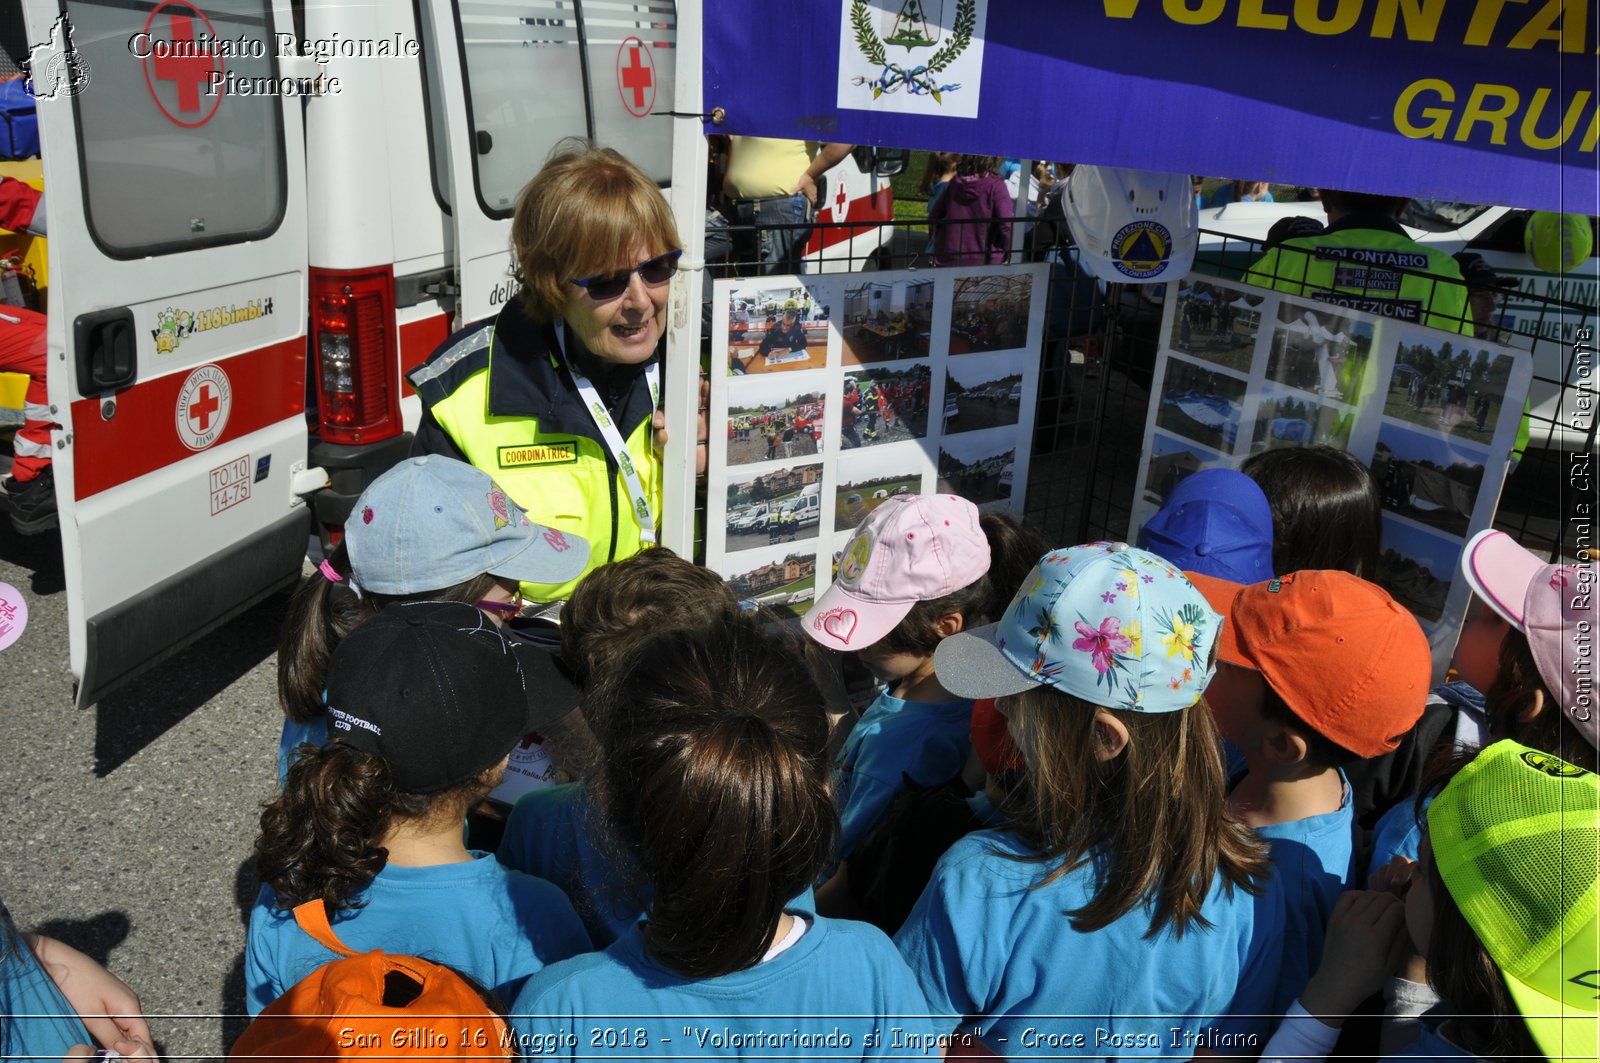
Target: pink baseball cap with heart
column 912, row 548
column 1556, row 606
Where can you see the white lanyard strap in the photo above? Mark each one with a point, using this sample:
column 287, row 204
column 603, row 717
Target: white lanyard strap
column 613, row 439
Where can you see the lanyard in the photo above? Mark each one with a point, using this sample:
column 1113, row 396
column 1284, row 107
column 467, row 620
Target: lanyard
column 612, row 438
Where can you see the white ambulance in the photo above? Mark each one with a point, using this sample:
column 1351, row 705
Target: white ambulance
column 261, row 212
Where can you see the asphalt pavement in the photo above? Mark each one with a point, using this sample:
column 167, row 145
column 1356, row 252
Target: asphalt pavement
column 130, row 824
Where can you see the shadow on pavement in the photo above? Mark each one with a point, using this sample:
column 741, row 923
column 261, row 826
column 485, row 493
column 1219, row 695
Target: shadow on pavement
column 135, row 715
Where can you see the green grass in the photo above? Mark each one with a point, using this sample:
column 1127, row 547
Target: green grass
column 910, row 206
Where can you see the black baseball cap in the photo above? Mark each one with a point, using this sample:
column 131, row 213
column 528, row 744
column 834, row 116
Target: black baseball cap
column 432, row 688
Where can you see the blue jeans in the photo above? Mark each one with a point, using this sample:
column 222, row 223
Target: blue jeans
column 780, row 250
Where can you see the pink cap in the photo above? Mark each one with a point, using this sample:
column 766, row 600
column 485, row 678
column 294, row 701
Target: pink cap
column 1555, row 607
column 912, row 548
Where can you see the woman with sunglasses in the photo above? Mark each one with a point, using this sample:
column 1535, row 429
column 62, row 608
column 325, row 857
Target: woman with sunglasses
column 557, row 395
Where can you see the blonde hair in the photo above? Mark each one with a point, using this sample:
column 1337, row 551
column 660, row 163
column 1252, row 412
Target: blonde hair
column 585, row 212
column 1155, row 813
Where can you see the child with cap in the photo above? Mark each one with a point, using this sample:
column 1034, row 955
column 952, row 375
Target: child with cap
column 425, row 701
column 1216, row 521
column 714, row 787
column 1529, row 647
column 1315, row 670
column 429, row 529
column 553, row 833
column 1505, row 910
column 918, row 569
column 1114, row 917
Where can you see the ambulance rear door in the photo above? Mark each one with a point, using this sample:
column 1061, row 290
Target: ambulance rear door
column 515, row 77
column 177, row 310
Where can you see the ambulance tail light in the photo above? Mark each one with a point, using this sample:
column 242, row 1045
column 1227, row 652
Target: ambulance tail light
column 353, row 342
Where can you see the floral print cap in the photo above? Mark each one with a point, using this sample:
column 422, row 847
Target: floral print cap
column 1106, row 622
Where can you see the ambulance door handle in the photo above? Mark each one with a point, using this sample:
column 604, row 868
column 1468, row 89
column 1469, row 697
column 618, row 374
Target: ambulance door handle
column 105, row 346
column 484, row 142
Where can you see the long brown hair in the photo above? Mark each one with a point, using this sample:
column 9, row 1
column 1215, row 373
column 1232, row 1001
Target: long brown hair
column 1151, row 820
column 319, row 837
column 714, row 783
column 321, row 612
column 1487, row 1020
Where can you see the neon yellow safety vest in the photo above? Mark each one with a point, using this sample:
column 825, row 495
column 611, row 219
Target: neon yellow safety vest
column 501, row 394
column 1374, row 271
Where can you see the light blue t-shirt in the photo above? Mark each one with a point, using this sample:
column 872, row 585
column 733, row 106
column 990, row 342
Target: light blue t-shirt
column 927, row 740
column 495, row 925
column 35, row 1018
column 997, row 957
column 1313, row 862
column 840, row 992
column 551, row 833
column 296, row 734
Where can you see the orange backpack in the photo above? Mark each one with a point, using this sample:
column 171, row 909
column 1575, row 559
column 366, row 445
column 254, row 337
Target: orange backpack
column 373, row 1006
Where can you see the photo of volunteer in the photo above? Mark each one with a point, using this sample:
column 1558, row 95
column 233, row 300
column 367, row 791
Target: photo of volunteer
column 557, row 396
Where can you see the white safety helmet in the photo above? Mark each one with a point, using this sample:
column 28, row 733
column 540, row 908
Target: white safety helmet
column 1132, row 226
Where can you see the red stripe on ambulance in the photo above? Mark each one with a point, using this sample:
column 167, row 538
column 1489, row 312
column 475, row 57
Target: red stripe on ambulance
column 267, row 386
column 876, row 208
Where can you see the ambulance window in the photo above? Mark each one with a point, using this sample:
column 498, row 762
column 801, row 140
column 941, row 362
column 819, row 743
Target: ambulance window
column 524, row 89
column 433, row 103
column 173, row 157
column 632, row 51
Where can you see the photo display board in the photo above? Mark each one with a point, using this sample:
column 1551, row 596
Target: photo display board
column 1433, row 414
column 831, row 394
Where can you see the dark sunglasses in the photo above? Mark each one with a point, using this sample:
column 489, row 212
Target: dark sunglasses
column 654, row 271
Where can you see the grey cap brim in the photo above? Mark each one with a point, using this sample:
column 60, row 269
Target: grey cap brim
column 970, row 665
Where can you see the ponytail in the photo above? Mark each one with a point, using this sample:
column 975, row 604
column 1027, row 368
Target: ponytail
column 325, row 610
column 319, row 837
column 1013, row 550
column 713, row 783
column 321, row 613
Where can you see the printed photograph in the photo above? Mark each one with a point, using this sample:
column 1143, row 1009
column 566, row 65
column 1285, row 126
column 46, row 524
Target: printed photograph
column 1428, row 479
column 784, row 581
column 1217, row 324
column 774, row 418
column 1417, row 567
column 1201, row 404
column 867, row 479
column 777, row 330
column 887, row 322
column 983, row 392
column 979, row 467
column 1449, row 385
column 1320, row 351
column 1171, row 460
column 778, row 507
column 1286, row 418
column 989, row 313
column 884, row 406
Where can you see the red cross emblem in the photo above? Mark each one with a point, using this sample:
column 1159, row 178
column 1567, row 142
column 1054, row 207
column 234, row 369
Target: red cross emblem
column 841, row 205
column 190, row 72
column 203, row 408
column 636, row 77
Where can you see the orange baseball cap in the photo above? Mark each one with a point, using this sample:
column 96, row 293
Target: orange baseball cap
column 1349, row 661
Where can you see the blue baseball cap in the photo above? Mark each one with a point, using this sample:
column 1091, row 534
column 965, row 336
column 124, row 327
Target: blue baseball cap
column 432, row 522
column 1217, row 522
column 1105, row 622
